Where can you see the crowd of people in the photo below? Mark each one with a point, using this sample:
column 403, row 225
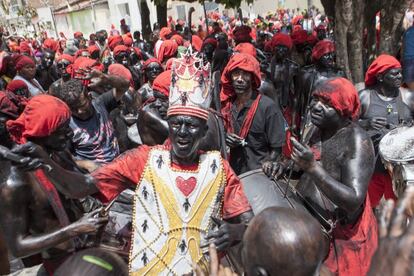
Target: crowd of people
column 121, row 155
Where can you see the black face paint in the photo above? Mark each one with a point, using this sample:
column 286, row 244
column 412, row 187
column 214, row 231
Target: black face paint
column 241, row 80
column 392, row 78
column 161, row 104
column 153, row 70
column 328, row 60
column 281, row 52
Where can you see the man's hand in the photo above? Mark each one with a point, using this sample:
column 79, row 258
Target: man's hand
column 89, row 223
column 273, row 169
column 302, row 155
column 394, row 255
column 33, row 156
column 87, row 165
column 98, row 79
column 233, row 140
column 375, row 123
column 216, row 269
column 226, row 235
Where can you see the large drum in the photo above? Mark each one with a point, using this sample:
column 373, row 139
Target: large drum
column 397, row 153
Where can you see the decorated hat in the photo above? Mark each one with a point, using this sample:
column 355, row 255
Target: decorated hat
column 190, row 86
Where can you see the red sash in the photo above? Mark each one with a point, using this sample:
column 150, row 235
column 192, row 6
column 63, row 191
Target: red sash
column 248, row 120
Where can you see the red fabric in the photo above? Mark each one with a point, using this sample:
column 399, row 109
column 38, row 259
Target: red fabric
column 244, row 62
column 342, row 96
column 128, row 41
column 11, row 104
column 196, row 42
column 246, row 48
column 321, row 48
column 149, row 61
column 380, row 185
column 169, row 63
column 312, row 39
column 379, row 66
column 162, row 83
column 281, row 39
column 248, row 120
column 296, row 20
column 51, row 44
column 126, row 171
column 41, row 117
column 79, row 53
column 120, row 71
column 242, row 34
column 353, row 246
column 77, row 35
column 114, row 41
column 164, row 32
column 167, row 50
column 210, row 41
column 25, row 48
column 137, row 52
column 299, row 36
column 66, row 57
column 93, row 48
column 119, row 49
column 179, row 39
column 22, row 61
column 83, row 64
column 15, row 85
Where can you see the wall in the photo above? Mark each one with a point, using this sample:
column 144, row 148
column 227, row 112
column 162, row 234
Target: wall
column 128, row 10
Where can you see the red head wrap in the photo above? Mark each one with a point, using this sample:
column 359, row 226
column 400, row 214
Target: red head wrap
column 92, row 49
column 379, row 66
column 162, row 83
column 164, row 32
column 128, row 41
column 11, row 105
column 51, row 44
column 22, row 61
column 114, row 41
column 211, row 41
column 196, row 42
column 299, row 36
column 178, row 38
column 167, row 49
column 281, row 39
column 67, row 57
column 25, row 48
column 340, row 94
column 321, row 48
column 242, row 34
column 15, row 85
column 77, row 35
column 41, row 117
column 246, row 48
column 169, row 63
column 120, row 71
column 239, row 61
column 149, row 61
column 119, row 49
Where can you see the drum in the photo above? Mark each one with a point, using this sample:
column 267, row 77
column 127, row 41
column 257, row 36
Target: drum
column 396, row 149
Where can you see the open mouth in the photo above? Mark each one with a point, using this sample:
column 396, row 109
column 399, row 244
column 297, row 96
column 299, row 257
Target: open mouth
column 183, row 143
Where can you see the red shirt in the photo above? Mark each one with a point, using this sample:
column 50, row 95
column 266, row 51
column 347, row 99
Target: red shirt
column 127, row 169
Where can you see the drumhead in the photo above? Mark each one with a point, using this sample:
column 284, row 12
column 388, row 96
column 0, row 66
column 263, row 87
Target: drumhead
column 398, row 145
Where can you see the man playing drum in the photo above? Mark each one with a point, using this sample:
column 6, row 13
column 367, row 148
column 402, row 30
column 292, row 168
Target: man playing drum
column 180, row 192
column 335, row 190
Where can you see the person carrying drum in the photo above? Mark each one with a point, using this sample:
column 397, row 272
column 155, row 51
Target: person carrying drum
column 382, row 109
column 335, row 189
column 181, row 193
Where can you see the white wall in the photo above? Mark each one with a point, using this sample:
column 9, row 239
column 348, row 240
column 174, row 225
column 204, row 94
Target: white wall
column 117, row 12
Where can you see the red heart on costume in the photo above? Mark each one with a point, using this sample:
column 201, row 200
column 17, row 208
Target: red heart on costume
column 186, row 186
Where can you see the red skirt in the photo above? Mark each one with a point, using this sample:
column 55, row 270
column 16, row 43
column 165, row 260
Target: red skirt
column 353, row 246
column 380, row 185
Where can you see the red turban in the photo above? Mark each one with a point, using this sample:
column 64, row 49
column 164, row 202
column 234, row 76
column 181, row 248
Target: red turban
column 196, row 42
column 114, row 41
column 167, row 49
column 128, row 41
column 77, row 35
column 179, row 39
column 22, row 60
column 321, row 48
column 93, row 48
column 67, row 57
column 379, row 66
column 164, row 32
column 51, row 44
column 15, row 85
column 119, row 49
column 82, row 64
column 242, row 34
column 120, row 71
column 162, row 83
column 239, row 61
column 169, row 63
column 340, row 94
column 281, row 39
column 25, row 48
column 149, row 61
column 41, row 117
column 11, row 105
column 210, row 41
column 299, row 36
column 246, row 48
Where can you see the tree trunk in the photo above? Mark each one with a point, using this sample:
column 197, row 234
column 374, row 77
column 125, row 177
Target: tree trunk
column 371, row 9
column 355, row 42
column 162, row 14
column 343, row 17
column 145, row 19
